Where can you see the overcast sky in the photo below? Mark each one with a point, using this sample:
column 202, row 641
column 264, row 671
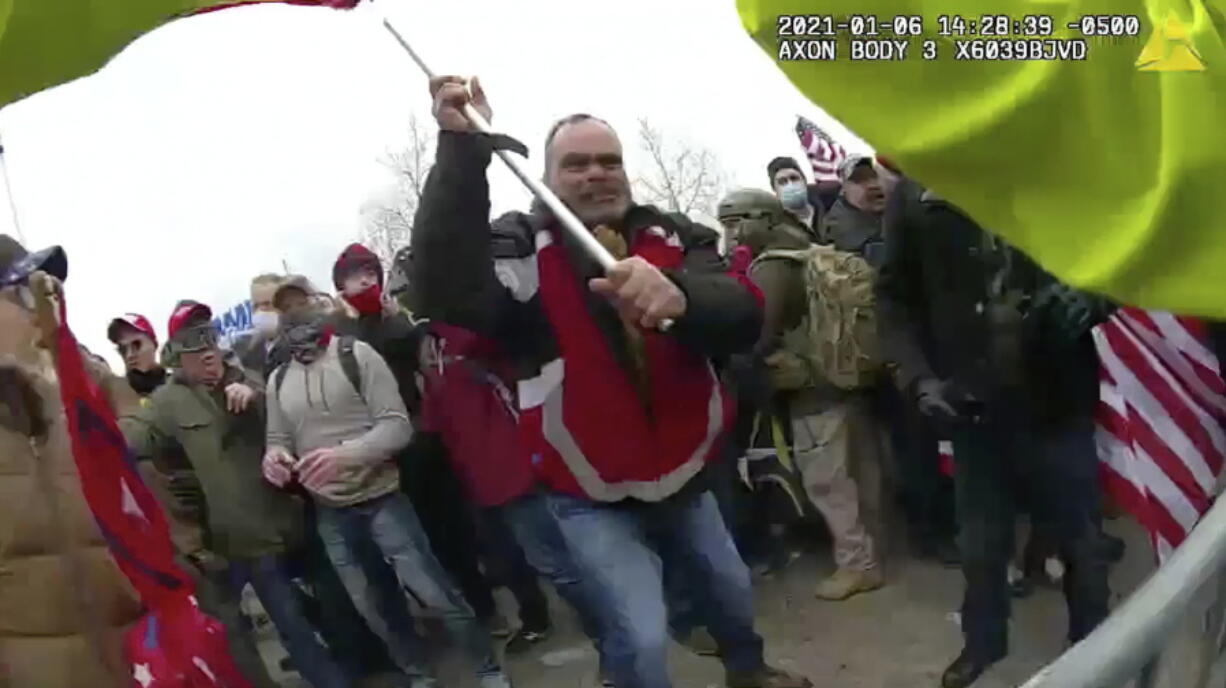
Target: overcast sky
column 216, row 147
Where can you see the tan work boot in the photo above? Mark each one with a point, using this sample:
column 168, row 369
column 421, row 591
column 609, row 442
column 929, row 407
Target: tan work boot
column 845, row 583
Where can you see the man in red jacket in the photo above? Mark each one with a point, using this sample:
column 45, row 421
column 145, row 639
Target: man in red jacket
column 619, row 418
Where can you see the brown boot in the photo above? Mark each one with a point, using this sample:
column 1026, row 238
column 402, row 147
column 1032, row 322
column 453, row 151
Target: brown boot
column 845, row 583
column 768, row 677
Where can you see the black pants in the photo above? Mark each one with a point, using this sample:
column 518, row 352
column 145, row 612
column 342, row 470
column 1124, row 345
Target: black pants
column 427, row 478
column 506, row 563
column 927, row 495
column 992, row 459
column 449, row 519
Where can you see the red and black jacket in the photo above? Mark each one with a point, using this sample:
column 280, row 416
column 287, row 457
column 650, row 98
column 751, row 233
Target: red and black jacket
column 479, row 276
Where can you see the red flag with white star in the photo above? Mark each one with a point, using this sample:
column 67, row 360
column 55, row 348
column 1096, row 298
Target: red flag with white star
column 174, row 645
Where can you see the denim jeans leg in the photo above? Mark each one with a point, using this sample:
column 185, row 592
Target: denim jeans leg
column 400, row 537
column 359, row 651
column 218, row 597
column 697, row 545
column 276, row 592
column 685, row 612
column 610, row 550
column 340, row 530
column 539, row 537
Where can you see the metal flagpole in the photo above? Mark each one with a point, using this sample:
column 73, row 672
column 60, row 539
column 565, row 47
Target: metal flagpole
column 8, row 190
column 572, row 224
column 569, row 221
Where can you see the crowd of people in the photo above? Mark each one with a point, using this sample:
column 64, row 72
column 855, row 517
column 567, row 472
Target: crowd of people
column 499, row 409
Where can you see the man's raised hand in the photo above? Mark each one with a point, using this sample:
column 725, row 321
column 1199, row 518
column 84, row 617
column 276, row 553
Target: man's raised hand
column 451, row 94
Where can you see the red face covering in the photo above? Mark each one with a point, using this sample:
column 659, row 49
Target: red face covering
column 369, row 301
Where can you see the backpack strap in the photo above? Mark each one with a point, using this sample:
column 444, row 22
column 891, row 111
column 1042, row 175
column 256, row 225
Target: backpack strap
column 800, row 255
column 349, row 363
column 278, row 379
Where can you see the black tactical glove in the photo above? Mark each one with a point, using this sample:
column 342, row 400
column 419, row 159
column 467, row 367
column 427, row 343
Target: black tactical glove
column 1066, row 314
column 946, row 403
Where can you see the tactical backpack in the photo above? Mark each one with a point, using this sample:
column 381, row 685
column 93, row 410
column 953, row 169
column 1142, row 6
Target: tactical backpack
column 349, row 363
column 837, row 339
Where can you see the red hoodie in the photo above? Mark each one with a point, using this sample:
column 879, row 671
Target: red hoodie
column 469, row 403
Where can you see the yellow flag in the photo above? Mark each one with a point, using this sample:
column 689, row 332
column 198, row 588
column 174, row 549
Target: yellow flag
column 44, row 43
column 1107, row 168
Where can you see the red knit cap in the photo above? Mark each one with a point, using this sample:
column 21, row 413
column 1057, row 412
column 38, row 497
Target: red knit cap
column 355, row 257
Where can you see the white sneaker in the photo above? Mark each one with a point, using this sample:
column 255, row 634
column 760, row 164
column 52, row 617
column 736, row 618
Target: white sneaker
column 499, row 680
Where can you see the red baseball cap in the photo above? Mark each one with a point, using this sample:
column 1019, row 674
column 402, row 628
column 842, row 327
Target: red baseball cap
column 133, row 320
column 184, row 313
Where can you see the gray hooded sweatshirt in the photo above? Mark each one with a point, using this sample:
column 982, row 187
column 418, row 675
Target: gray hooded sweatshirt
column 317, row 407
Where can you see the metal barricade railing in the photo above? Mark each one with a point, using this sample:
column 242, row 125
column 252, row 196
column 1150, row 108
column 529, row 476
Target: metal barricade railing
column 1127, row 646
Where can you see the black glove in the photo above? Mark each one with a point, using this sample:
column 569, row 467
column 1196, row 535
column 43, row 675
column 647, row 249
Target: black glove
column 1068, row 313
column 946, row 403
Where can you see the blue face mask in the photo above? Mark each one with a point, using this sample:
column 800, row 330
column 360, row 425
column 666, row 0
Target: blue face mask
column 794, row 195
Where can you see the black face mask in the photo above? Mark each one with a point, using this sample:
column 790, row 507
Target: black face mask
column 306, row 340
column 143, row 382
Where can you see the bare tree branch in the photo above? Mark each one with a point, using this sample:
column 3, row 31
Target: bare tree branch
column 680, row 177
column 387, row 221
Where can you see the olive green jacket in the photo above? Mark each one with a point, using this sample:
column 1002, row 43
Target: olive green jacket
column 247, row 516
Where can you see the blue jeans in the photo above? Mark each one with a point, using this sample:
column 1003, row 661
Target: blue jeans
column 615, row 546
column 541, row 540
column 271, row 581
column 391, row 524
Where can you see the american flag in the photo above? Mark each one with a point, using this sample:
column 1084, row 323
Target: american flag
column 1161, row 420
column 825, row 154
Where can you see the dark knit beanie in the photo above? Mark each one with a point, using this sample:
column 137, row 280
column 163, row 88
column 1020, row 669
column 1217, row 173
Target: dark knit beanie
column 355, row 257
column 782, row 162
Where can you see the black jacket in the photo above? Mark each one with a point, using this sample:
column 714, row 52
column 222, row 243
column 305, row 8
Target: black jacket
column 933, row 291
column 456, row 252
column 848, row 228
column 932, row 296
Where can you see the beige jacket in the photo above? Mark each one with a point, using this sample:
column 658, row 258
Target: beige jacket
column 64, row 604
